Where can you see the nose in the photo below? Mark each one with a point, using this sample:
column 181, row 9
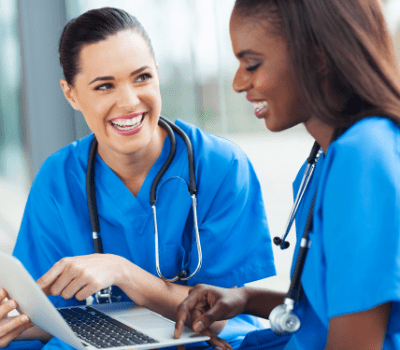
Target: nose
column 128, row 98
column 241, row 81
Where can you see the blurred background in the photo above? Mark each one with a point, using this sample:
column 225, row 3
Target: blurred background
column 196, row 65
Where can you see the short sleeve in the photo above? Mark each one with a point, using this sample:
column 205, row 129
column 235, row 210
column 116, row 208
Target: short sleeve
column 360, row 200
column 234, row 228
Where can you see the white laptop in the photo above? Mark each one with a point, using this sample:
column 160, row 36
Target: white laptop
column 111, row 326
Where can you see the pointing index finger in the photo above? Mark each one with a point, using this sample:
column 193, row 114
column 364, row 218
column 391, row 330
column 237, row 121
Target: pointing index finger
column 183, row 311
column 46, row 281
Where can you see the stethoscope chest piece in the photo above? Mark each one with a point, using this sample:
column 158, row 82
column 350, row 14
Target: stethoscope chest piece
column 283, row 320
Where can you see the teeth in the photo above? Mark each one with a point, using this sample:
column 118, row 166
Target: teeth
column 258, row 106
column 127, row 124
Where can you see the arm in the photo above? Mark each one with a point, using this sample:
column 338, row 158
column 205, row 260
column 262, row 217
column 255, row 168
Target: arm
column 211, row 304
column 82, row 276
column 362, row 330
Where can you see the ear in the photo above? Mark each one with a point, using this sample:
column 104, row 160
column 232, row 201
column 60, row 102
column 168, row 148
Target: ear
column 69, row 94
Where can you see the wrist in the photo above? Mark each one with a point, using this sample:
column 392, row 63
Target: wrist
column 124, row 272
column 246, row 296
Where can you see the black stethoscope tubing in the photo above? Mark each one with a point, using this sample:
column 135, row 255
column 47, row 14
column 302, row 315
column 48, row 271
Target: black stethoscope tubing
column 92, row 203
column 90, row 176
column 282, row 318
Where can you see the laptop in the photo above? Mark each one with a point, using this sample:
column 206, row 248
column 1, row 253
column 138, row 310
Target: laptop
column 122, row 325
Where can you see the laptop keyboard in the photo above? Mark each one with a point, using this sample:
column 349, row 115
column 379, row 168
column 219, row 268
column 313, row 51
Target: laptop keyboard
column 100, row 330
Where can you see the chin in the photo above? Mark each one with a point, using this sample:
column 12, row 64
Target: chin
column 274, row 127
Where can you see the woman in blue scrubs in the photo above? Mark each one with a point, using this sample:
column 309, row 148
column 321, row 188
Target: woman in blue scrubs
column 111, row 77
column 330, row 65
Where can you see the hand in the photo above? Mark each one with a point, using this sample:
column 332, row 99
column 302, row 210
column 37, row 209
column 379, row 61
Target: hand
column 10, row 327
column 82, row 276
column 206, row 304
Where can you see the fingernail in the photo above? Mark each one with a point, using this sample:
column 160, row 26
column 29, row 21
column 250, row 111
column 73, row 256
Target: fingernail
column 25, row 318
column 12, row 303
column 198, row 327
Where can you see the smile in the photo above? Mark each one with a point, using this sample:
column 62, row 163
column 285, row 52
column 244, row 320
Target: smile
column 260, row 107
column 128, row 124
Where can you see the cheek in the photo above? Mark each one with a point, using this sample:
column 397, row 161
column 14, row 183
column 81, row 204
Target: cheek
column 263, row 83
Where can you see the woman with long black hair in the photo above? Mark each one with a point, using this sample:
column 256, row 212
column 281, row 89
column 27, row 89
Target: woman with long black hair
column 330, row 65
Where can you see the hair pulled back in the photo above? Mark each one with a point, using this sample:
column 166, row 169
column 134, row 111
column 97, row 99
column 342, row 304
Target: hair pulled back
column 89, row 28
column 353, row 39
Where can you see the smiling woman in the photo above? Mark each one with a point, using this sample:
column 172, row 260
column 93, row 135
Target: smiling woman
column 119, row 96
column 331, row 66
column 111, row 76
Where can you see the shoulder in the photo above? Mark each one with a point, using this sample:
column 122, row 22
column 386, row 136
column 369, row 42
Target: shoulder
column 369, row 139
column 212, row 147
column 66, row 163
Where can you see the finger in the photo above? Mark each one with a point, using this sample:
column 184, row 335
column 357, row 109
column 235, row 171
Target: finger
column 7, row 307
column 86, row 291
column 46, row 281
column 182, row 314
column 203, row 322
column 74, row 288
column 215, row 341
column 12, row 324
column 9, row 337
column 3, row 295
column 180, row 347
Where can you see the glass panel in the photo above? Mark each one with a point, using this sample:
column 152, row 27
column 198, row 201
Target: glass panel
column 13, row 170
column 192, row 47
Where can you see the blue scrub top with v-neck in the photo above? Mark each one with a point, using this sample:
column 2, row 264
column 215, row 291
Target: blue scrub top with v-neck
column 235, row 240
column 353, row 263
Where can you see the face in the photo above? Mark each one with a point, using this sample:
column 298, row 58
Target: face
column 265, row 74
column 117, row 91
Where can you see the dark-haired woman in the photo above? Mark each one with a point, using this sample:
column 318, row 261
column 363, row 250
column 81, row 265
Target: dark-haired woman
column 111, row 77
column 331, row 65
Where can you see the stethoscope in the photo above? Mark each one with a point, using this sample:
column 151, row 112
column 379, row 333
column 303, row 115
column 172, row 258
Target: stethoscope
column 282, row 318
column 105, row 294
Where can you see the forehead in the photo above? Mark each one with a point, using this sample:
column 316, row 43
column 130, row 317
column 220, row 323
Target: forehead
column 254, row 35
column 124, row 49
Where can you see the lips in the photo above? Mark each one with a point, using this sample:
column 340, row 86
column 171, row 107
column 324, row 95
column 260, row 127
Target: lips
column 127, row 122
column 127, row 125
column 260, row 107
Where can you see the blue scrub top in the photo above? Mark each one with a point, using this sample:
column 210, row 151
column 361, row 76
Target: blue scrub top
column 235, row 240
column 353, row 263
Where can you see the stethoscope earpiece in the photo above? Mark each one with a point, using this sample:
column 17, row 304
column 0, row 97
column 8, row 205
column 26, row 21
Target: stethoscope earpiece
column 280, row 242
column 282, row 318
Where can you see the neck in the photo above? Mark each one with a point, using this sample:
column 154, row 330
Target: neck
column 132, row 168
column 321, row 132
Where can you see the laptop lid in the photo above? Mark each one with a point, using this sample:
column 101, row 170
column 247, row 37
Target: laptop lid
column 22, row 287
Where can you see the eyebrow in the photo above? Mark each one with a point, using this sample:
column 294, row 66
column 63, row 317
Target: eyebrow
column 110, row 77
column 243, row 53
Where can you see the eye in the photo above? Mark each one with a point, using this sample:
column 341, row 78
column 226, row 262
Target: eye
column 253, row 67
column 104, row 87
column 144, row 77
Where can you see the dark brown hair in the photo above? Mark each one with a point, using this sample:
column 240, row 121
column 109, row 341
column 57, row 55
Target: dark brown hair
column 92, row 27
column 353, row 38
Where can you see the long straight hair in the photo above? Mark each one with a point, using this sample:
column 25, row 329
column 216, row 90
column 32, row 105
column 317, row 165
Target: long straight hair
column 357, row 48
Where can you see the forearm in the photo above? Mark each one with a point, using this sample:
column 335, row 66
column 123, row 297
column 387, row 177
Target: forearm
column 155, row 294
column 260, row 302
